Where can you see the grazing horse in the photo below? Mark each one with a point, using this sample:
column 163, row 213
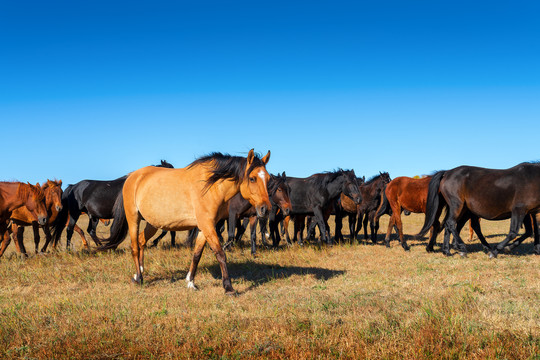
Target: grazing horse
column 239, row 208
column 371, row 197
column 315, row 196
column 345, row 206
column 94, row 197
column 23, row 217
column 182, row 199
column 14, row 195
column 492, row 194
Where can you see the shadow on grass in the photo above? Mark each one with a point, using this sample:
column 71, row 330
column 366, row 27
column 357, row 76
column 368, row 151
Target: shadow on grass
column 254, row 272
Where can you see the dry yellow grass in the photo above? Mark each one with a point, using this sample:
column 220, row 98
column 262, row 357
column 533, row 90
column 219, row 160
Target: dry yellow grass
column 348, row 301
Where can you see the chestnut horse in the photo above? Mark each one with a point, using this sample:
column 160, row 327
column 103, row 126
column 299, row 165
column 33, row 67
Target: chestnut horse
column 23, row 217
column 182, row 199
column 14, row 195
column 473, row 193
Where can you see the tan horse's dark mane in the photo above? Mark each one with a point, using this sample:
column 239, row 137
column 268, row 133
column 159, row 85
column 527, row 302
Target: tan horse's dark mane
column 225, row 167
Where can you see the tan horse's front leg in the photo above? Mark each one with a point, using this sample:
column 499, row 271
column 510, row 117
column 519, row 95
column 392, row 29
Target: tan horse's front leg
column 209, row 232
column 200, row 242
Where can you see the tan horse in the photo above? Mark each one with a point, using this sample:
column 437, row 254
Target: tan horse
column 182, row 199
column 14, row 195
column 24, row 217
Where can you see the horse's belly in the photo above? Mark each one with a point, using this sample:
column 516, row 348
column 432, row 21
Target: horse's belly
column 171, row 223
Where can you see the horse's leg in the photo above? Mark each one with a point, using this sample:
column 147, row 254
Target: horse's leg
column 6, row 239
column 231, row 230
column 213, row 241
column 434, row 231
column 528, row 223
column 253, row 237
column 200, row 241
column 339, row 224
column 352, row 223
column 319, row 219
column 156, row 240
column 263, row 225
column 173, row 238
column 285, row 227
column 79, row 231
column 359, row 216
column 242, row 227
column 475, row 225
column 72, row 223
column 143, row 237
column 135, row 249
column 365, row 224
column 192, row 236
column 391, row 224
column 471, row 230
column 48, row 237
column 18, row 236
column 92, row 229
column 516, row 220
column 536, row 235
column 35, row 228
column 455, row 211
column 375, row 227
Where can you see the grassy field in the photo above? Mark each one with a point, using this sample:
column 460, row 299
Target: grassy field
column 348, row 301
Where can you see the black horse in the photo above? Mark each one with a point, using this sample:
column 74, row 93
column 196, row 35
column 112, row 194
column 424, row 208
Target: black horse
column 472, row 193
column 93, row 197
column 315, row 195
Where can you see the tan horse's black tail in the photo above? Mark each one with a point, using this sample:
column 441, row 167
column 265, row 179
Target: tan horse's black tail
column 119, row 228
column 434, row 202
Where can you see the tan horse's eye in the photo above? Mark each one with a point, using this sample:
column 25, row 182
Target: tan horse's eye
column 252, row 179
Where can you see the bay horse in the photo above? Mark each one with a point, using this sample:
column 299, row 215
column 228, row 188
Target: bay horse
column 315, row 195
column 240, row 208
column 93, row 197
column 14, row 195
column 371, row 197
column 182, row 199
column 345, row 206
column 492, row 194
column 23, row 217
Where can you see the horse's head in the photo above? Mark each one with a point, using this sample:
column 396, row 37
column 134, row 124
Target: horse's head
column 350, row 186
column 279, row 192
column 53, row 194
column 34, row 200
column 254, row 184
column 385, row 177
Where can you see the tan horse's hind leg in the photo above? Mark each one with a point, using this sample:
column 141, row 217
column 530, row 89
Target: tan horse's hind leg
column 148, row 232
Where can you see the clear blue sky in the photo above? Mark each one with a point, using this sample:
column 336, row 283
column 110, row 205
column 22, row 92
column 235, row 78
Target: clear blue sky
column 95, row 89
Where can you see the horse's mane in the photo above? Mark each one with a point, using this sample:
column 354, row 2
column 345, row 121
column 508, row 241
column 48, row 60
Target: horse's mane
column 225, row 167
column 51, row 183
column 375, row 177
column 275, row 182
column 323, row 179
column 24, row 190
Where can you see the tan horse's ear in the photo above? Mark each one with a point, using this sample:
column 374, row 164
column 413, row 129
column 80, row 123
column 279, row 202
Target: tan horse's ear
column 266, row 158
column 59, row 182
column 251, row 155
column 37, row 185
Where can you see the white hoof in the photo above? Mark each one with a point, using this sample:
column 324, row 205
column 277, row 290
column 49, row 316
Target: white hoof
column 191, row 285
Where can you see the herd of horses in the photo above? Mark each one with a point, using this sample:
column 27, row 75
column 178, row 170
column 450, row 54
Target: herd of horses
column 218, row 188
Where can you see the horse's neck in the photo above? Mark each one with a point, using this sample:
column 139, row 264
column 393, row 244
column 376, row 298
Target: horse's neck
column 335, row 187
column 9, row 199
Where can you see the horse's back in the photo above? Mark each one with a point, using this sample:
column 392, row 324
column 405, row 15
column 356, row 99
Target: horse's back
column 162, row 196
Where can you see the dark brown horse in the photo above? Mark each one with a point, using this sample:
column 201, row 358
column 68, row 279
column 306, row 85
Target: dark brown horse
column 14, row 195
column 473, row 193
column 371, row 198
column 23, row 217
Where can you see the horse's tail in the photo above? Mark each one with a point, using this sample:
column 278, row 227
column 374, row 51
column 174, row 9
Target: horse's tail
column 384, row 206
column 119, row 228
column 433, row 202
column 60, row 222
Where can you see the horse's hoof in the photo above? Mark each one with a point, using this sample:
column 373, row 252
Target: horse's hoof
column 388, row 244
column 507, row 249
column 406, row 247
column 492, row 255
column 231, row 292
column 463, row 254
column 137, row 280
column 191, row 286
column 429, row 249
column 447, row 254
